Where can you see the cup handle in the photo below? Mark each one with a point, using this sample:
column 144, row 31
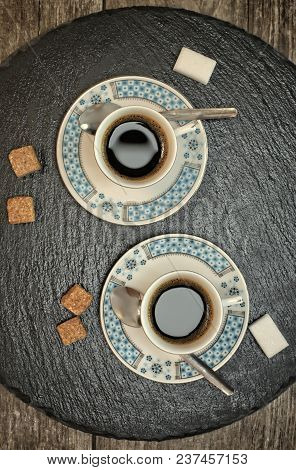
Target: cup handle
column 237, row 299
column 189, row 127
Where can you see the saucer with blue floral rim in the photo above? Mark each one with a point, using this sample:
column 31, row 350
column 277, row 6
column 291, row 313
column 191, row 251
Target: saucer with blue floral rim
column 108, row 200
column 139, row 268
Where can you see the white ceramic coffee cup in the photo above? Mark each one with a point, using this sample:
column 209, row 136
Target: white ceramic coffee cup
column 200, row 341
column 169, row 143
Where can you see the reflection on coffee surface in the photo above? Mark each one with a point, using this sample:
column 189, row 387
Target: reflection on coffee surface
column 134, row 148
column 180, row 311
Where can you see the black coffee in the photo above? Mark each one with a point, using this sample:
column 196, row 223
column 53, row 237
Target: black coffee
column 179, row 311
column 133, row 148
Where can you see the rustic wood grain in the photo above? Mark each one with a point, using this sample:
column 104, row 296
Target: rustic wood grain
column 274, row 426
column 55, row 12
column 17, row 25
column 234, row 11
column 22, row 427
column 275, row 22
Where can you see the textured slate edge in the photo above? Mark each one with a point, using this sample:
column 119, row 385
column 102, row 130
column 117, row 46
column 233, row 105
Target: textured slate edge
column 47, row 411
column 33, row 42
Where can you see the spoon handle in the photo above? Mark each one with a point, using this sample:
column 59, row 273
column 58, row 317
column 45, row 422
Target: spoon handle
column 208, row 373
column 190, row 114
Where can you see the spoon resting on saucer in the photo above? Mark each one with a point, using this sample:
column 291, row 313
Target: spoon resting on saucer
column 92, row 117
column 126, row 304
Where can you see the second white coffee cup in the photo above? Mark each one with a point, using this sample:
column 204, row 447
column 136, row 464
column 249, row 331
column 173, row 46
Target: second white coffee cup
column 199, row 342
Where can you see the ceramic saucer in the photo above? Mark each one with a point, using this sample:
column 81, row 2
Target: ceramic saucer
column 139, row 268
column 108, row 200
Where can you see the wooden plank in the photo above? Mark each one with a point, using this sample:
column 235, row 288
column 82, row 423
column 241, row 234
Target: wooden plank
column 273, row 427
column 234, row 11
column 17, row 25
column 20, row 24
column 23, row 427
column 55, row 12
column 275, row 22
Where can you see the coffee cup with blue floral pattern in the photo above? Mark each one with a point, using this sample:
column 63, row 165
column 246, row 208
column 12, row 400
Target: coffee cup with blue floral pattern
column 206, row 329
column 166, row 135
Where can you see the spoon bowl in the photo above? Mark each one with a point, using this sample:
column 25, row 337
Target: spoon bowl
column 92, row 117
column 126, row 303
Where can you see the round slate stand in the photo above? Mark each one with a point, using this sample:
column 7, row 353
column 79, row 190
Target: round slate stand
column 245, row 205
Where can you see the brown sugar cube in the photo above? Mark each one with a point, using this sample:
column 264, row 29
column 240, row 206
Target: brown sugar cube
column 24, row 161
column 77, row 299
column 71, row 331
column 20, row 210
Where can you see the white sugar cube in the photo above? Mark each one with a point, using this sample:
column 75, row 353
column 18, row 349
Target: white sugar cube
column 268, row 336
column 195, row 65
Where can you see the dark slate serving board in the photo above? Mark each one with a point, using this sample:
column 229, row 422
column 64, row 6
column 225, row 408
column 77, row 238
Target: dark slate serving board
column 246, row 205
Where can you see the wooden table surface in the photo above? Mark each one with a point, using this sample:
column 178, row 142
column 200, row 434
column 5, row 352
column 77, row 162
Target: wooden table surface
column 274, row 427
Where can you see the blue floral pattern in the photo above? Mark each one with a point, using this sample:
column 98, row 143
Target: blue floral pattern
column 95, row 99
column 233, row 291
column 104, row 206
column 116, row 335
column 164, row 203
column 191, row 147
column 98, row 94
column 220, row 349
column 165, row 369
column 131, row 264
column 191, row 247
column 71, row 157
column 188, row 144
column 148, row 90
column 71, row 140
column 157, row 368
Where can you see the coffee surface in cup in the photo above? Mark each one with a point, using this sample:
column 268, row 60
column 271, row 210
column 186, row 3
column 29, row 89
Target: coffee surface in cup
column 133, row 148
column 179, row 311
